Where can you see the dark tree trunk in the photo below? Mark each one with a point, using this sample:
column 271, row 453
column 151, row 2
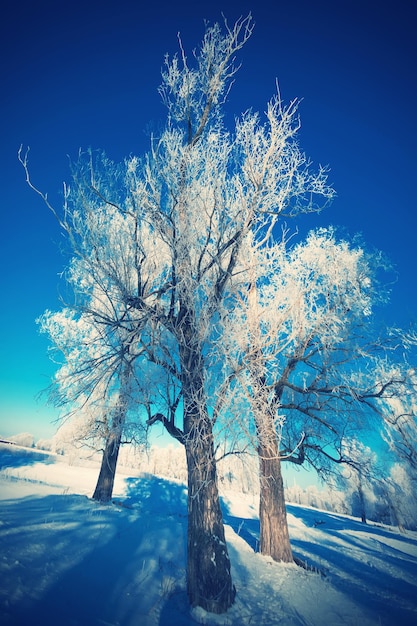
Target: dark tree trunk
column 105, row 483
column 209, row 580
column 274, row 536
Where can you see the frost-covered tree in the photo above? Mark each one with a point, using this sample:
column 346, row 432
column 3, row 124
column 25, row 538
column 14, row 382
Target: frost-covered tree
column 399, row 408
column 221, row 194
column 94, row 385
column 302, row 358
column 402, row 497
column 97, row 334
column 26, row 440
column 191, row 209
column 357, row 476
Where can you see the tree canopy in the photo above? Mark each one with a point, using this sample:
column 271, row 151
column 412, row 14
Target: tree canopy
column 188, row 305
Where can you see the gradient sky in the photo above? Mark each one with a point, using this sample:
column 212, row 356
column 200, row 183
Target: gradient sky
column 85, row 74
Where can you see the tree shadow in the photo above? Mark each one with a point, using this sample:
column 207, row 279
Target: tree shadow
column 156, row 494
column 176, row 611
column 248, row 529
column 369, row 563
column 79, row 563
column 332, row 522
column 70, row 561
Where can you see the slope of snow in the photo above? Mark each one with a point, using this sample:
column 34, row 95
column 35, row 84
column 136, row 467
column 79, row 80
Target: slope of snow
column 70, row 561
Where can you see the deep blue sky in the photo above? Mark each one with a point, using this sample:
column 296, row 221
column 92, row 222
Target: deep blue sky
column 83, row 74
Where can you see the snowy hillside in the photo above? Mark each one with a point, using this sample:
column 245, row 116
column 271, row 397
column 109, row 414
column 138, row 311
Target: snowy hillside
column 67, row 560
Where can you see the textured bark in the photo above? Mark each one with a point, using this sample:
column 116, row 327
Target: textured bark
column 105, row 483
column 209, row 580
column 274, row 535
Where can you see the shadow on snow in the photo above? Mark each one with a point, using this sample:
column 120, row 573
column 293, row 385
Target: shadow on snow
column 356, row 557
column 77, row 563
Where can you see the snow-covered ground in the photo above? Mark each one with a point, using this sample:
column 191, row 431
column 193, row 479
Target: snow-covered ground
column 67, row 560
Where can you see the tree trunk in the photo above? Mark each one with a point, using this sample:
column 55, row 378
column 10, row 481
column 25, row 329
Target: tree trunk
column 209, row 580
column 274, row 536
column 361, row 499
column 105, row 483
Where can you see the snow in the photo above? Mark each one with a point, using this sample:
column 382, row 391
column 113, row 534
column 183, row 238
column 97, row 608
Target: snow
column 67, row 560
